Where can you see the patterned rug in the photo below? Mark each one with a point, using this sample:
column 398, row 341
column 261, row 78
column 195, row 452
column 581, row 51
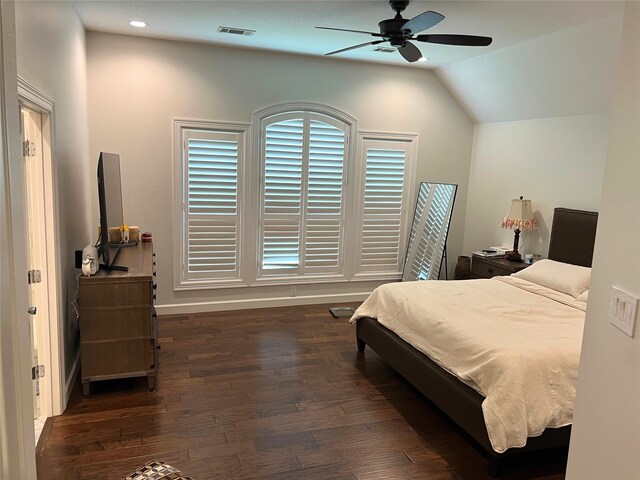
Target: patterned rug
column 157, row 471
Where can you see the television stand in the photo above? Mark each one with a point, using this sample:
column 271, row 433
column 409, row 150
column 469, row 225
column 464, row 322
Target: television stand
column 119, row 268
column 113, row 266
column 122, row 244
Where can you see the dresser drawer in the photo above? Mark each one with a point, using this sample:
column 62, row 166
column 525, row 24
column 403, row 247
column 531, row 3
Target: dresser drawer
column 115, row 294
column 115, row 323
column 116, row 357
column 488, row 270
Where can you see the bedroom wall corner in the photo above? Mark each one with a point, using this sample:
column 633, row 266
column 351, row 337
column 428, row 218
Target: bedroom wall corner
column 606, row 429
column 554, row 162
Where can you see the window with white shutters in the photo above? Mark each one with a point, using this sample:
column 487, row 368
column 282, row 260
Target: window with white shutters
column 210, row 205
column 385, row 189
column 291, row 215
column 302, row 195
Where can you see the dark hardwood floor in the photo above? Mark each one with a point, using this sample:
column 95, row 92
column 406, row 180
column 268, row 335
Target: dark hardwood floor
column 278, row 393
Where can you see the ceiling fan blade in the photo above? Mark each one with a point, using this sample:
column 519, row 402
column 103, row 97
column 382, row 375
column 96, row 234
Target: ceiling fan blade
column 375, row 42
column 461, row 40
column 347, row 30
column 410, row 52
column 423, row 21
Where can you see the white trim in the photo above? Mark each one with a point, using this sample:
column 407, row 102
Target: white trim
column 188, row 285
column 373, row 276
column 68, row 386
column 224, row 305
column 271, row 110
column 53, row 404
column 34, row 98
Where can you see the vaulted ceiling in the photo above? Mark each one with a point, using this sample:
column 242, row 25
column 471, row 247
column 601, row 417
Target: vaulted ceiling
column 531, row 42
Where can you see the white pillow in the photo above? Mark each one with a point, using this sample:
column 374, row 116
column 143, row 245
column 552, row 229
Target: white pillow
column 583, row 297
column 562, row 277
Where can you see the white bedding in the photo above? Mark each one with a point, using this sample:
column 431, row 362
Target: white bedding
column 516, row 342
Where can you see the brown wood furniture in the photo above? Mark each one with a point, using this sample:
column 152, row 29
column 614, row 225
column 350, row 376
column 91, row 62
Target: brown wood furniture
column 117, row 320
column 487, row 267
column 460, row 402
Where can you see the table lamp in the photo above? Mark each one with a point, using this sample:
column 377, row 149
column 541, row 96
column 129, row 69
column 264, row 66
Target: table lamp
column 520, row 218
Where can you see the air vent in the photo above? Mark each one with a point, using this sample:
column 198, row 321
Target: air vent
column 384, row 49
column 236, row 31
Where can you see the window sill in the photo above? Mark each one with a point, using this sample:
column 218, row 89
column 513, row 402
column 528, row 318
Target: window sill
column 187, row 285
column 273, row 282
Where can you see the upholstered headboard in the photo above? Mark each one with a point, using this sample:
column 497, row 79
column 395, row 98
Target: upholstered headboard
column 573, row 234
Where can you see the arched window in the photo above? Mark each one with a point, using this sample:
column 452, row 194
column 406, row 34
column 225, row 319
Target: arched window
column 303, row 161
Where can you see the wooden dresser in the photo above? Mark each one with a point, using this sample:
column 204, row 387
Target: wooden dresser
column 487, row 267
column 118, row 332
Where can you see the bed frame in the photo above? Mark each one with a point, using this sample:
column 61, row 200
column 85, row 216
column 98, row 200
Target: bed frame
column 572, row 239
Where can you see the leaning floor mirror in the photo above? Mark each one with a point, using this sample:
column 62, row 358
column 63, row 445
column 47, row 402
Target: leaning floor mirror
column 428, row 237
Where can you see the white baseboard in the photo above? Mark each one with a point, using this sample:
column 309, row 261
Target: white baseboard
column 68, row 386
column 200, row 307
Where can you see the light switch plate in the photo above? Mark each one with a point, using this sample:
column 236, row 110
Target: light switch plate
column 623, row 310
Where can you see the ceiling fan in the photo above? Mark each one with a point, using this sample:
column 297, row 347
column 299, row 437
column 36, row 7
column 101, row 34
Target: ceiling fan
column 398, row 31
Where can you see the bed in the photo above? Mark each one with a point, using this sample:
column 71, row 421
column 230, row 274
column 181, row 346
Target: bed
column 458, row 390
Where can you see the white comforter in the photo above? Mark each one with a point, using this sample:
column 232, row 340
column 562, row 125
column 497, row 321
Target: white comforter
column 514, row 341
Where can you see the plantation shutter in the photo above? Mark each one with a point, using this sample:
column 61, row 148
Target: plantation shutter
column 302, row 218
column 211, row 214
column 325, row 193
column 282, row 196
column 383, row 206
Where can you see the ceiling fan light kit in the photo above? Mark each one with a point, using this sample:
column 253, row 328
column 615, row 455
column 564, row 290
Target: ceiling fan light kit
column 398, row 31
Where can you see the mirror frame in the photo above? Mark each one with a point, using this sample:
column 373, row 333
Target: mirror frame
column 443, row 233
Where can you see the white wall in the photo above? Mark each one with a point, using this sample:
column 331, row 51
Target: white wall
column 51, row 56
column 555, row 162
column 565, row 73
column 606, row 429
column 137, row 86
column 542, row 107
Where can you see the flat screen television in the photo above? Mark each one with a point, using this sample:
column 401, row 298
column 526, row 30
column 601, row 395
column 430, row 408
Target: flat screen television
column 110, row 198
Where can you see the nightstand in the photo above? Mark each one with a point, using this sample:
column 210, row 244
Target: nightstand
column 487, row 267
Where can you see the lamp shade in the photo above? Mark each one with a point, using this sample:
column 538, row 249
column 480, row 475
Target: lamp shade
column 520, row 216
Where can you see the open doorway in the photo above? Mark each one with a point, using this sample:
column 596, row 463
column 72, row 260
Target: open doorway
column 43, row 271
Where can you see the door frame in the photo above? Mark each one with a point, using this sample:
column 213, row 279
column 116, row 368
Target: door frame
column 53, row 402
column 17, row 455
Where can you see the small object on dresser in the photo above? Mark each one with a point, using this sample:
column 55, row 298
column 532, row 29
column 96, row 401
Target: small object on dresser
column 115, row 235
column 124, row 231
column 90, row 262
column 147, row 237
column 134, row 233
column 488, row 253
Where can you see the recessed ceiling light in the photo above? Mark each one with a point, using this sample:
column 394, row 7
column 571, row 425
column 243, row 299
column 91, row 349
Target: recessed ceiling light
column 423, row 59
column 137, row 23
